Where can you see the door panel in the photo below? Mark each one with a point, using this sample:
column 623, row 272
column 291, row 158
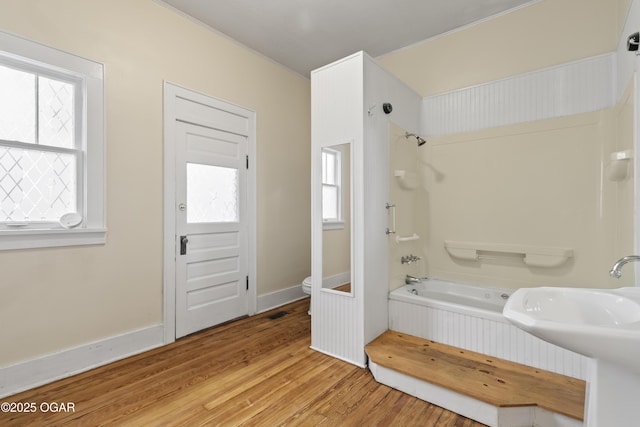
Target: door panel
column 211, row 203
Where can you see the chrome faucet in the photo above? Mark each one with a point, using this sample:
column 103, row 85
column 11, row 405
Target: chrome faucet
column 410, row 259
column 410, row 280
column 617, row 267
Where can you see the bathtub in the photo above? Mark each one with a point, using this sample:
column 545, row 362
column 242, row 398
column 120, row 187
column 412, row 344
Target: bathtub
column 468, row 299
column 470, row 317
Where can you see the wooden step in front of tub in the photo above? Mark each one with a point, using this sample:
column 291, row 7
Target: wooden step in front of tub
column 488, row 379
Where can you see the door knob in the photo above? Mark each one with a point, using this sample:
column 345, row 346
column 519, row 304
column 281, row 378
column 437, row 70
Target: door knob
column 182, row 207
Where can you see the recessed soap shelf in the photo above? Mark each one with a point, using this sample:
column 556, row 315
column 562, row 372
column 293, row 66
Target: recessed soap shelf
column 618, row 167
column 534, row 256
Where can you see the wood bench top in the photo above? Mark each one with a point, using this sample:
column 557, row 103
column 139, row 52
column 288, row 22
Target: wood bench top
column 491, row 380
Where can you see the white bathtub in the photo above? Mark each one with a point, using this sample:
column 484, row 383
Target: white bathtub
column 470, row 317
column 469, row 299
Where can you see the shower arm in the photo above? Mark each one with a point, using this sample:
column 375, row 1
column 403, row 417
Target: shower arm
column 421, row 141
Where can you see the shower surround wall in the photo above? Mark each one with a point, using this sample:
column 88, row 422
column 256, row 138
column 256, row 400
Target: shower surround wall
column 525, row 161
column 567, row 89
column 408, row 193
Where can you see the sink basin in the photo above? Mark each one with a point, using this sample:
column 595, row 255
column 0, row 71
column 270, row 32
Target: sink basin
column 603, row 324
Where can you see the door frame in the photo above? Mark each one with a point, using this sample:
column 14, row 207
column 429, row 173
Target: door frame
column 171, row 93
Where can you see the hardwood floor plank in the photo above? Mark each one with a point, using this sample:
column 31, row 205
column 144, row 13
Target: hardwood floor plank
column 244, row 408
column 396, row 401
column 255, row 371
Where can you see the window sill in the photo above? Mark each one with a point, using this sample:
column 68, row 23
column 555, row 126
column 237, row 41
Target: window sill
column 333, row 225
column 30, row 239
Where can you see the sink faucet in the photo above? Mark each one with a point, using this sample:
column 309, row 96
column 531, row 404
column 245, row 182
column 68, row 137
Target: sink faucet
column 617, row 267
column 410, row 259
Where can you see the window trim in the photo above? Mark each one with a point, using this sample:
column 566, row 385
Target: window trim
column 91, row 188
column 338, row 223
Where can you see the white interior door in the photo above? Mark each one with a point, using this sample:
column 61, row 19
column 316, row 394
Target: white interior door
column 211, row 231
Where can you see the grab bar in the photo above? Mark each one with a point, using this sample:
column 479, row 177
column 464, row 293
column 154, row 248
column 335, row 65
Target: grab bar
column 391, row 208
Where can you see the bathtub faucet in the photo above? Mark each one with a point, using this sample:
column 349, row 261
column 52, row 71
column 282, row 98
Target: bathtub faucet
column 409, row 259
column 410, row 280
column 616, row 270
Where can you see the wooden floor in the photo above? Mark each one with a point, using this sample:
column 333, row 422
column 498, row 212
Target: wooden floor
column 257, row 371
column 497, row 382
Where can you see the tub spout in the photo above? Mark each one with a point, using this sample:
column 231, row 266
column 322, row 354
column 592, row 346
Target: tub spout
column 616, row 270
column 410, row 280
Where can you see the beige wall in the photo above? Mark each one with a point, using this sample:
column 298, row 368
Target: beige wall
column 622, row 9
column 547, row 33
column 60, row 298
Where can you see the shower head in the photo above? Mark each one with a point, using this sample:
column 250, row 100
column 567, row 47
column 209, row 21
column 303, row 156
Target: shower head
column 419, row 139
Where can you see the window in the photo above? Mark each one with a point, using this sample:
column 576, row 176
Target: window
column 332, row 215
column 51, row 146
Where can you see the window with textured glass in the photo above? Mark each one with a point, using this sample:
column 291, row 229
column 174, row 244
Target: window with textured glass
column 40, row 150
column 52, row 163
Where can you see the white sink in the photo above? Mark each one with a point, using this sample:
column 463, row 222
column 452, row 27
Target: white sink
column 603, row 324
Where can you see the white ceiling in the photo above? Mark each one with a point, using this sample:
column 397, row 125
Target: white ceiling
column 306, row 34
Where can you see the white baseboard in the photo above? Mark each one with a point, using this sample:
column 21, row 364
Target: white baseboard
column 335, row 356
column 278, row 298
column 33, row 373
column 43, row 370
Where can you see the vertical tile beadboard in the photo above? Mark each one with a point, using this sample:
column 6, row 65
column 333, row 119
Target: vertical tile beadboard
column 572, row 88
column 491, row 337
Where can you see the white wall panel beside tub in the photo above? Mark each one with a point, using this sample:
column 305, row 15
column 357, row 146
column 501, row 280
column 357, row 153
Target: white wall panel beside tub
column 485, row 332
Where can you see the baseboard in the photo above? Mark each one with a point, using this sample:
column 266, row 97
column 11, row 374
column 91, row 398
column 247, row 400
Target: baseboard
column 337, row 280
column 43, row 370
column 36, row 372
column 335, row 356
column 278, row 298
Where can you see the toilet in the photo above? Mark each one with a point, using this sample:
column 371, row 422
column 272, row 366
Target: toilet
column 306, row 288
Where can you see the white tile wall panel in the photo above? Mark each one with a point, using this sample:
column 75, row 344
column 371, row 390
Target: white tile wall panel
column 567, row 89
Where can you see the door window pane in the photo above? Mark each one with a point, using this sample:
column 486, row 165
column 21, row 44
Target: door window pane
column 212, row 194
